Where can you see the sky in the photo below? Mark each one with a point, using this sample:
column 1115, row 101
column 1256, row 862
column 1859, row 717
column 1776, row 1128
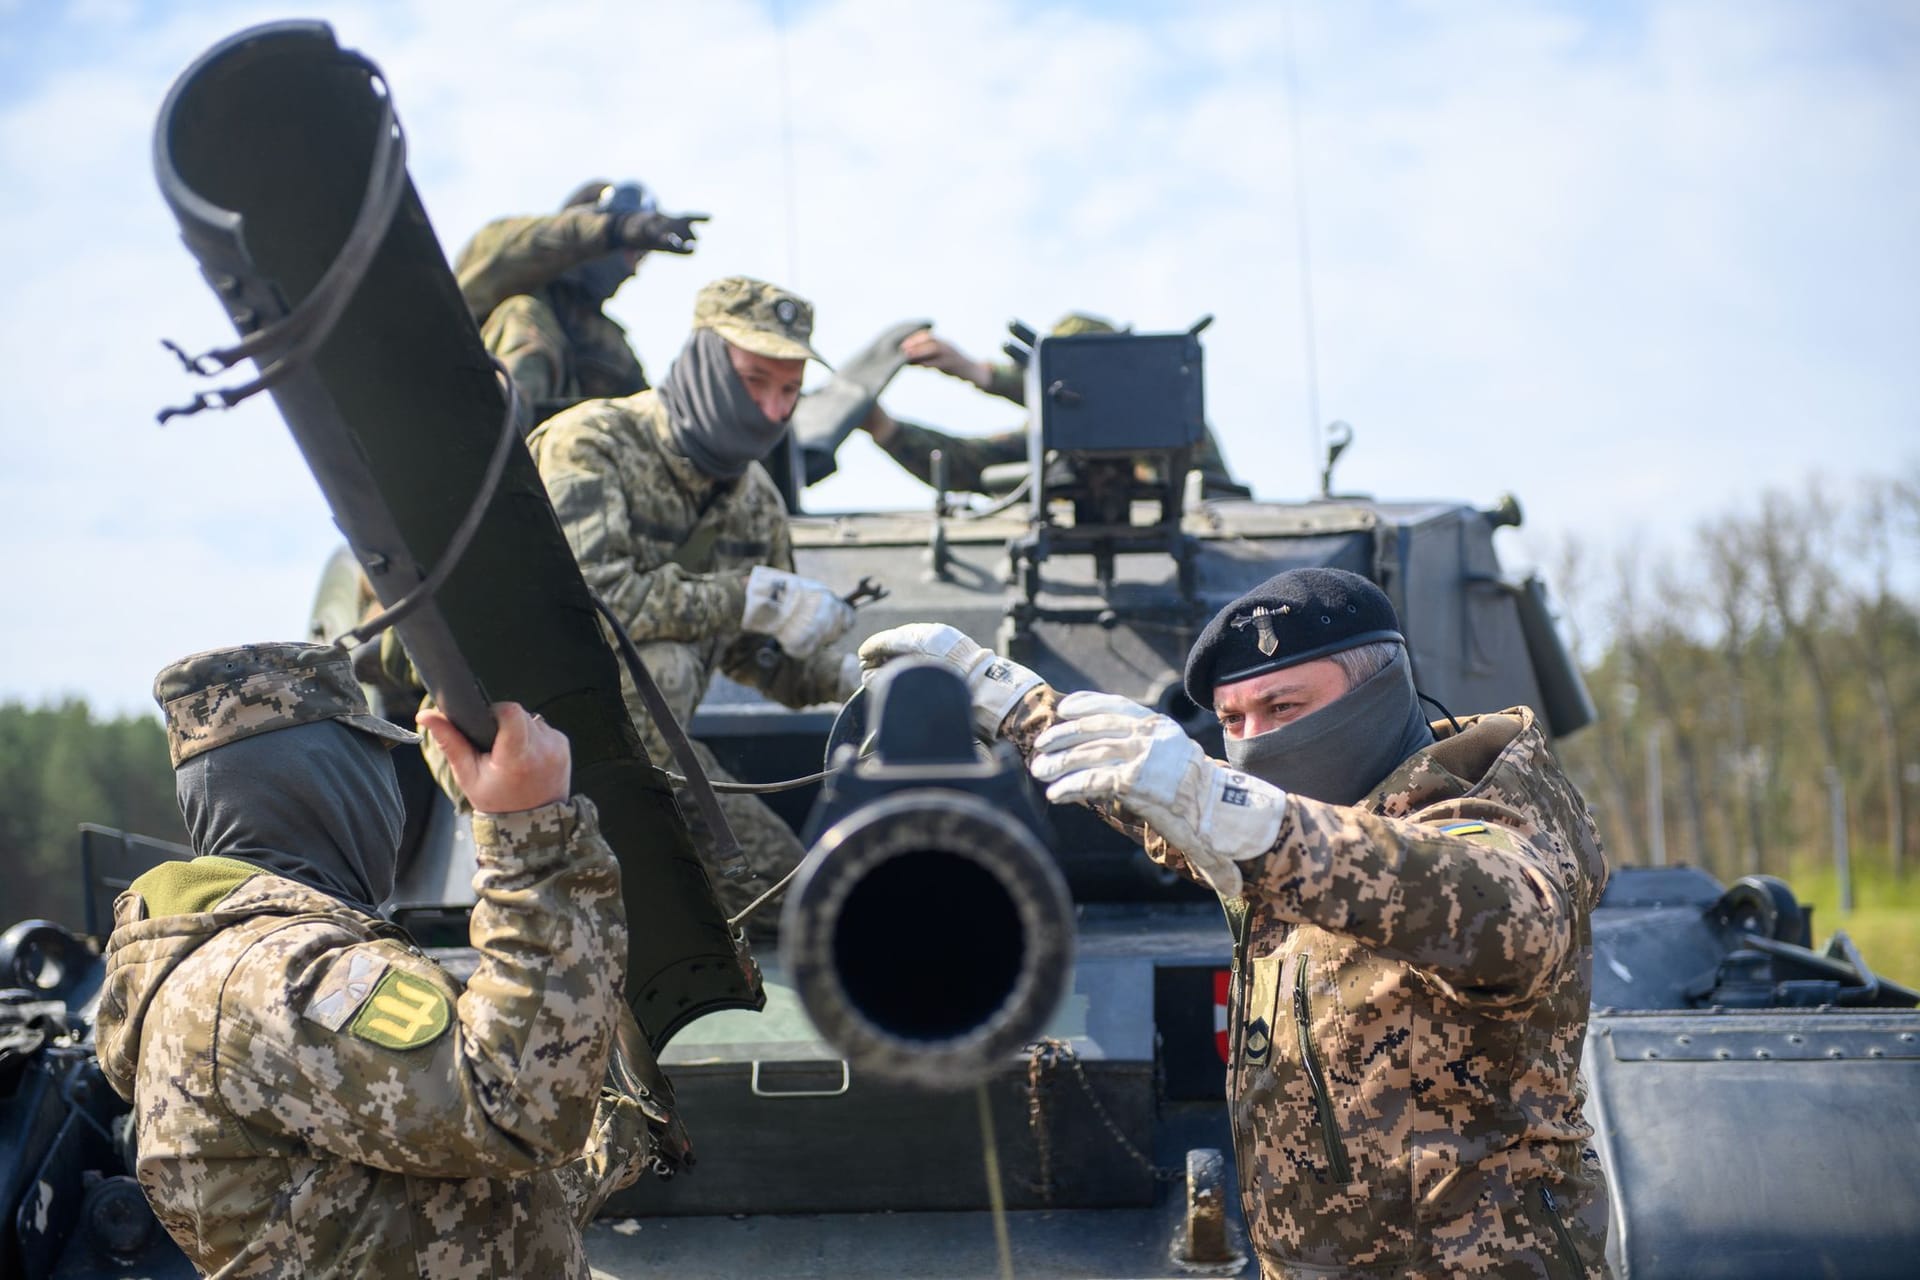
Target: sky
column 1635, row 263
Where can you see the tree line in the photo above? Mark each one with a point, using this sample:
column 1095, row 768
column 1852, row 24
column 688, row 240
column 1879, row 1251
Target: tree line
column 1758, row 689
column 60, row 767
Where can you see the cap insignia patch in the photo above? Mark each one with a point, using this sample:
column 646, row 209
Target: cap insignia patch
column 786, row 311
column 1262, row 619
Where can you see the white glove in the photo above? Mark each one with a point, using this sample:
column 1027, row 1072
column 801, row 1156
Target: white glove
column 993, row 683
column 800, row 613
column 1110, row 748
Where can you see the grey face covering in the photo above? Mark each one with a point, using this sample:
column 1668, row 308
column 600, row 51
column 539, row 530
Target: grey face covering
column 714, row 422
column 1342, row 751
column 318, row 803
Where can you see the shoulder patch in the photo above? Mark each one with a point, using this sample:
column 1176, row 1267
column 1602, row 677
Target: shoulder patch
column 1464, row 828
column 345, row 989
column 403, row 1013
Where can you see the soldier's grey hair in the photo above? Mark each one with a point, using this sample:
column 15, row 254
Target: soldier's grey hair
column 1364, row 661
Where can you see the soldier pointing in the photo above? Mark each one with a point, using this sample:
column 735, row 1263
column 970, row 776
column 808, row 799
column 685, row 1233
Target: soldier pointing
column 1410, row 907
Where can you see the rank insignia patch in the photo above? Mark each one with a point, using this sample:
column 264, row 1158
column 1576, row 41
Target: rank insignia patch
column 1258, row 1040
column 404, row 1013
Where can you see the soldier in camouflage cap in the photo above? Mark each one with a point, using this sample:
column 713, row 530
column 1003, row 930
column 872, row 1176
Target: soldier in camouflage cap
column 210, row 699
column 912, row 445
column 538, row 287
column 313, row 1095
column 758, row 317
column 1410, row 907
column 676, row 524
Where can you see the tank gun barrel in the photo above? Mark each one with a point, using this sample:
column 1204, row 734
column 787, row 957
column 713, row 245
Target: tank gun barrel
column 929, row 933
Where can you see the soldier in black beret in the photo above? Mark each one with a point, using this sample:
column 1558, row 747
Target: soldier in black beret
column 1409, row 905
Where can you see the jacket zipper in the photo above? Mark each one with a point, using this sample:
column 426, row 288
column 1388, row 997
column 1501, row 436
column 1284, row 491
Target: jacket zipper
column 1322, row 1102
column 1569, row 1256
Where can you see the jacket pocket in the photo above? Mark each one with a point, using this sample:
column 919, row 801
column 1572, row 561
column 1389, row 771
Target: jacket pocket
column 1338, row 1165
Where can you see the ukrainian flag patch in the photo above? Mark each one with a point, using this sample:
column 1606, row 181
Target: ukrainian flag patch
column 1464, row 828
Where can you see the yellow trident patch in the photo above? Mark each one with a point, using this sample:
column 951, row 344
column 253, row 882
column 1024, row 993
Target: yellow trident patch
column 404, row 1013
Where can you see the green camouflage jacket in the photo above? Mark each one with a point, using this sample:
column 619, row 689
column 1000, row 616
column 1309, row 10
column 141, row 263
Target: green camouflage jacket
column 557, row 349
column 670, row 549
column 1411, row 983
column 315, row 1097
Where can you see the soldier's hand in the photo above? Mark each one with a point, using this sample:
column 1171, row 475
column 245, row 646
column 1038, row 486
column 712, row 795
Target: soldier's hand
column 994, row 683
column 803, row 615
column 670, row 232
column 1112, row 749
column 530, row 765
column 925, row 348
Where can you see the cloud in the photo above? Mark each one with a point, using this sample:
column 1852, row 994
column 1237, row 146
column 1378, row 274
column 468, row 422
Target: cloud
column 1630, row 263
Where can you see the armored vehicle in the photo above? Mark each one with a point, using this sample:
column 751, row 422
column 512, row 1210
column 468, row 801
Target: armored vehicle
column 1753, row 1099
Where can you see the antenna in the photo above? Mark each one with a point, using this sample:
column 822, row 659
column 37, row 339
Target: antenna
column 1305, row 246
column 789, row 170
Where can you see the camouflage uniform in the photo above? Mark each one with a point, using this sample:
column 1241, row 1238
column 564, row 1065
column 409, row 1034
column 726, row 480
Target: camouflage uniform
column 669, row 548
column 1411, row 982
column 557, row 347
column 314, row 1096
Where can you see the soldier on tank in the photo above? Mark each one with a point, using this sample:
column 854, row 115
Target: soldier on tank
column 1410, row 905
column 912, row 445
column 313, row 1095
column 537, row 286
column 687, row 539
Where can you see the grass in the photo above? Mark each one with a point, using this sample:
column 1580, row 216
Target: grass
column 1885, row 921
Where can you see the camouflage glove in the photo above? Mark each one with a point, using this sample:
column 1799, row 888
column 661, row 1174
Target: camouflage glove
column 993, row 683
column 1108, row 748
column 673, row 233
column 801, row 614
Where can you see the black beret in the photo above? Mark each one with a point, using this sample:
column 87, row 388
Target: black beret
column 1290, row 618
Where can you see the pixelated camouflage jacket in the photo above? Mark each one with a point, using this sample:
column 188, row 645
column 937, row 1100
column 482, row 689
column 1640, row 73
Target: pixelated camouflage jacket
column 1411, row 984
column 557, row 347
column 669, row 548
column 314, row 1097
column 912, row 446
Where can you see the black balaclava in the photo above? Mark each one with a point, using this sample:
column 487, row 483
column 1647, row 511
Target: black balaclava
column 1346, row 748
column 318, row 803
column 713, row 421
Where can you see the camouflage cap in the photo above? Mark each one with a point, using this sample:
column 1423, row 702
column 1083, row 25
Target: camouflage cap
column 758, row 317
column 223, row 695
column 1080, row 322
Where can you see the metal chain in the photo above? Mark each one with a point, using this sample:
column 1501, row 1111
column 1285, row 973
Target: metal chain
column 1043, row 1055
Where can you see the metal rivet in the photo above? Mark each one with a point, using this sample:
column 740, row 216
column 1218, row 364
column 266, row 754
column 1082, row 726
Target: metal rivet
column 1876, row 1053
column 1683, row 1039
column 1796, row 1039
column 1906, row 1037
column 1722, row 1054
column 1762, row 1053
column 1836, row 1053
column 1653, row 1053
